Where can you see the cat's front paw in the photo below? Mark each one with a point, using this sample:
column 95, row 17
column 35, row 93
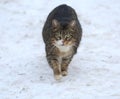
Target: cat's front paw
column 58, row 77
column 64, row 73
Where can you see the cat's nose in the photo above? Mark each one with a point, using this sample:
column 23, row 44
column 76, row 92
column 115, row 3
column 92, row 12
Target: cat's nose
column 61, row 43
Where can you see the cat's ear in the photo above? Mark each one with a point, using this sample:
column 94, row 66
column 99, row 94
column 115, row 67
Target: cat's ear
column 72, row 24
column 55, row 24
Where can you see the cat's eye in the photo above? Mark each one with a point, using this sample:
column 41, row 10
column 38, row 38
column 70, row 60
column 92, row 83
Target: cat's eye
column 68, row 36
column 58, row 37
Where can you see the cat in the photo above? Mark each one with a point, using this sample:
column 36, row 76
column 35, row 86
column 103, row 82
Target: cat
column 62, row 34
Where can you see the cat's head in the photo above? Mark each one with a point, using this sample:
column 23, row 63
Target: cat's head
column 63, row 34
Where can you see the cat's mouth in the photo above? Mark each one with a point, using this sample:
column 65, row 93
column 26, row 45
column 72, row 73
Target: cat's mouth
column 60, row 43
column 62, row 46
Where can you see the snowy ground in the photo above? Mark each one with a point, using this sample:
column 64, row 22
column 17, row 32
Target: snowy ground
column 94, row 72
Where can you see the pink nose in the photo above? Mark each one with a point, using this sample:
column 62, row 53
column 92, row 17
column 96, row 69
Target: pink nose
column 62, row 42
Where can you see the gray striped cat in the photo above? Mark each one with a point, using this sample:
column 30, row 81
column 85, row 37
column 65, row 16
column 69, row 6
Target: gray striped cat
column 62, row 34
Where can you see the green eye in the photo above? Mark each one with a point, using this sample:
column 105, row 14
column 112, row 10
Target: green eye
column 68, row 36
column 58, row 36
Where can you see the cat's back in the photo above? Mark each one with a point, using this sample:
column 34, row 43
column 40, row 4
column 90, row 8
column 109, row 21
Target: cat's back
column 63, row 12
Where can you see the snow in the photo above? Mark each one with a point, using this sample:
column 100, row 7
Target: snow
column 94, row 71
